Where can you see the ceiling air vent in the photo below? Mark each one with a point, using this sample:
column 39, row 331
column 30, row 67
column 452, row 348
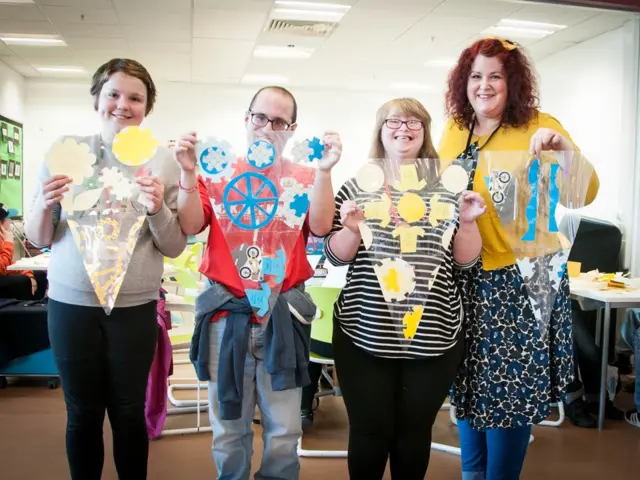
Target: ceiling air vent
column 302, row 27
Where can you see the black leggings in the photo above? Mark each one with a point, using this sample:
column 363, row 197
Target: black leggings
column 392, row 405
column 104, row 362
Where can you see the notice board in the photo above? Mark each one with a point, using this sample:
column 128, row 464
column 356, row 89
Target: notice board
column 11, row 163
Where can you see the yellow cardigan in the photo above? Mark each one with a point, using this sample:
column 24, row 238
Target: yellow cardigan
column 496, row 252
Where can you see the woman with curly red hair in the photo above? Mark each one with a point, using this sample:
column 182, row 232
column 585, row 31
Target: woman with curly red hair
column 511, row 374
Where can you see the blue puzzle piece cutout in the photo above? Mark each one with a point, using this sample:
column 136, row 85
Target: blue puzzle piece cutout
column 260, row 298
column 275, row 265
column 300, row 204
column 317, row 147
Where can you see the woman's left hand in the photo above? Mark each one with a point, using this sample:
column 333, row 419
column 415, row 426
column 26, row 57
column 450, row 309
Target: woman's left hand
column 471, row 206
column 153, row 190
column 547, row 139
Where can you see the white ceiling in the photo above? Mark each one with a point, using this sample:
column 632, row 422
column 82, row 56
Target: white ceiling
column 378, row 42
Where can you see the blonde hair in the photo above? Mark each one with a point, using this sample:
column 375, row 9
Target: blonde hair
column 408, row 107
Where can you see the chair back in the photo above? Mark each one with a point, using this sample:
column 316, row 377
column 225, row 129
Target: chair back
column 324, row 298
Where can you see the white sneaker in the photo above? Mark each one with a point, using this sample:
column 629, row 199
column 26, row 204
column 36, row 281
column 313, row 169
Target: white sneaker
column 633, row 417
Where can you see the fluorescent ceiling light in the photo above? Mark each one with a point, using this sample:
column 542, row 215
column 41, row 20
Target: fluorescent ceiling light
column 33, row 41
column 313, row 5
column 508, row 22
column 276, row 51
column 310, row 14
column 410, row 86
column 16, row 1
column 264, row 79
column 60, row 69
column 441, row 62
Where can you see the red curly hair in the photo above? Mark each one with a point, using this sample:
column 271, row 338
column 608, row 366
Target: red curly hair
column 522, row 89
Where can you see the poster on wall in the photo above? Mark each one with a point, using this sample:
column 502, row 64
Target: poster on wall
column 11, row 161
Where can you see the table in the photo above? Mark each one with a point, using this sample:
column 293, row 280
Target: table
column 39, row 262
column 587, row 294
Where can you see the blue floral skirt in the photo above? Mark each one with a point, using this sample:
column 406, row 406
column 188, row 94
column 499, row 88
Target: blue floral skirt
column 510, row 374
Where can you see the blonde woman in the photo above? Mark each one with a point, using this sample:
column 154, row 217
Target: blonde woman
column 393, row 388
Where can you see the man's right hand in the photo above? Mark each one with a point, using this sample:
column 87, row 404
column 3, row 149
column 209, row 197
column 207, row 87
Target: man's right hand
column 53, row 189
column 185, row 151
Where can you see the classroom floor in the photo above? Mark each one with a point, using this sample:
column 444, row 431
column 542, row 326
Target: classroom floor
column 32, row 422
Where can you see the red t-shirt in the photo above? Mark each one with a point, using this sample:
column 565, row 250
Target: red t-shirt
column 217, row 262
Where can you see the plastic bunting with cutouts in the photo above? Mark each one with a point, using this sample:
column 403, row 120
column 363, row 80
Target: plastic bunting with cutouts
column 104, row 207
column 532, row 197
column 261, row 198
column 411, row 214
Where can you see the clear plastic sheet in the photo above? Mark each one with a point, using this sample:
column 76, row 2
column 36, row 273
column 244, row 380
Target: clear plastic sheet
column 104, row 206
column 531, row 194
column 411, row 215
column 261, row 200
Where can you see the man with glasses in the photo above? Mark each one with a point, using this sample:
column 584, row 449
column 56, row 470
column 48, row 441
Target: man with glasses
column 271, row 116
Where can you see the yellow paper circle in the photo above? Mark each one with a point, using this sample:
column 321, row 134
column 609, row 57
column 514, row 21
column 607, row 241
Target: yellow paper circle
column 455, row 179
column 134, row 146
column 370, row 178
column 411, row 207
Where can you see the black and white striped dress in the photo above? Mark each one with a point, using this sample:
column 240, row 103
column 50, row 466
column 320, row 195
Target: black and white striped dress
column 361, row 310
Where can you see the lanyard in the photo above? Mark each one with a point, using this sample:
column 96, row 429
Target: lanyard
column 473, row 126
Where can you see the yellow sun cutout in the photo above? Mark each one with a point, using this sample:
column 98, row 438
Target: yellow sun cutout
column 134, row 146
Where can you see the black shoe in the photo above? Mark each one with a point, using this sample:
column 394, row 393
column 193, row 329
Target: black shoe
column 577, row 414
column 307, row 418
column 610, row 410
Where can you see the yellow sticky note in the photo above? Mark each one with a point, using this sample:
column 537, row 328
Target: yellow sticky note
column 439, row 211
column 408, row 238
column 134, row 146
column 573, row 268
column 409, row 179
column 411, row 207
column 411, row 320
column 378, row 210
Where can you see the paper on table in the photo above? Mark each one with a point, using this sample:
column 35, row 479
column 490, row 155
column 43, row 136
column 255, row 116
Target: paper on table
column 573, row 269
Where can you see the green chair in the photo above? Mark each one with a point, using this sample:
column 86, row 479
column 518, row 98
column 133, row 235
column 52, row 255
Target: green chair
column 322, row 331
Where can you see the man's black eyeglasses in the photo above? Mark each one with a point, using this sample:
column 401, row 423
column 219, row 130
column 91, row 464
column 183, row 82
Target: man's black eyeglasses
column 261, row 120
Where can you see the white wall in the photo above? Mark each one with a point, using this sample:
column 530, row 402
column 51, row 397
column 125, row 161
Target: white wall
column 592, row 90
column 12, row 93
column 54, row 109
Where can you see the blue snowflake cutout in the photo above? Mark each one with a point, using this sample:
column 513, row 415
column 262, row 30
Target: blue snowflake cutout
column 214, row 160
column 318, row 148
column 300, row 204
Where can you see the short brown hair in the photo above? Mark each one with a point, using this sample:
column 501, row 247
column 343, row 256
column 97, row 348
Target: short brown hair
column 409, row 107
column 282, row 91
column 128, row 67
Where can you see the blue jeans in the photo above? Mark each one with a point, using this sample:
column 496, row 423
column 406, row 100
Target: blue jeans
column 493, row 454
column 629, row 343
column 280, row 418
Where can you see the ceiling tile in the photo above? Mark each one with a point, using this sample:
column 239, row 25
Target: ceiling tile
column 160, row 47
column 85, row 30
column 153, row 6
column 591, row 28
column 493, row 10
column 28, row 52
column 103, row 16
column 406, row 7
column 23, row 28
column 27, row 70
column 71, row 3
column 95, row 43
column 218, row 60
column 155, row 34
column 554, row 14
column 173, row 67
column 22, row 13
column 4, row 50
column 443, row 29
column 546, row 47
column 252, row 5
column 155, row 19
column 228, row 24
